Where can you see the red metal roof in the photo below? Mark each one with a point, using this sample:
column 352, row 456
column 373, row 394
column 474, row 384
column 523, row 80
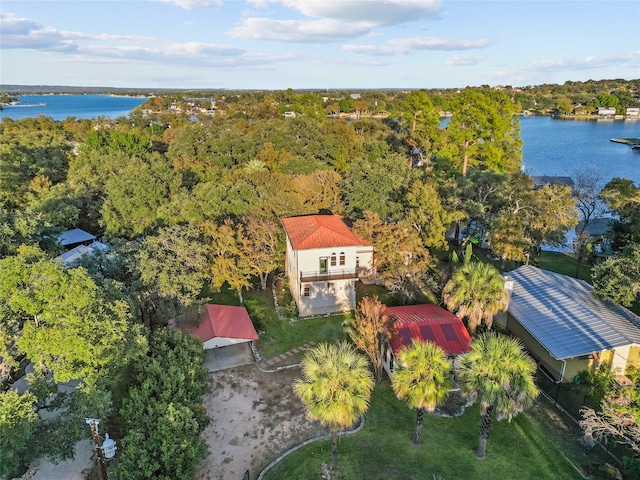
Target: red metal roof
column 223, row 321
column 319, row 231
column 429, row 322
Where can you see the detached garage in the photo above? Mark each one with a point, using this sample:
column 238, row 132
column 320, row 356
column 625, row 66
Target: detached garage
column 227, row 334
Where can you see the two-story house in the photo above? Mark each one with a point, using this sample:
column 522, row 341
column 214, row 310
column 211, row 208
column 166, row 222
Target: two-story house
column 324, row 261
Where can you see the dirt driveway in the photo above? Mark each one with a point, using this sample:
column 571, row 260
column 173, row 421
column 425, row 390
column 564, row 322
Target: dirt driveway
column 255, row 416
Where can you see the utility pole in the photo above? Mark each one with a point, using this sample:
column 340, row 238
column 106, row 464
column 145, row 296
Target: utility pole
column 93, row 423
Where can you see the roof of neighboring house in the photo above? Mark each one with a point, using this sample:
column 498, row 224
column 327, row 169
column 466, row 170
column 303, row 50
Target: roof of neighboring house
column 223, row 321
column 596, row 226
column 541, row 180
column 562, row 314
column 319, row 231
column 429, row 322
column 74, row 236
column 80, row 251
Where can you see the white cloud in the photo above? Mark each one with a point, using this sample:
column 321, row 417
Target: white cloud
column 404, row 46
column 630, row 60
column 465, row 59
column 333, row 20
column 189, row 4
column 325, row 31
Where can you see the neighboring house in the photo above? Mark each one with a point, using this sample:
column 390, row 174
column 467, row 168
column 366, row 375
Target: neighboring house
column 542, row 180
column 596, row 232
column 565, row 328
column 289, row 114
column 75, row 254
column 324, row 261
column 633, row 112
column 75, row 237
column 425, row 322
column 606, row 112
column 227, row 333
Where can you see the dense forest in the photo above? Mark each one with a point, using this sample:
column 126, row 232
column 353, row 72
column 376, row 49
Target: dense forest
column 191, row 203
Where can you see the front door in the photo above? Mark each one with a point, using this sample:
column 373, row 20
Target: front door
column 323, row 264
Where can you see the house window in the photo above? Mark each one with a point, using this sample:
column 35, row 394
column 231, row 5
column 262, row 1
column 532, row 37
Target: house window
column 323, row 264
column 342, row 259
column 333, row 259
column 357, row 262
column 306, row 291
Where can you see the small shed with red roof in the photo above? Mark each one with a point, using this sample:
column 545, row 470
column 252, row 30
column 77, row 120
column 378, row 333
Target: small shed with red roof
column 426, row 322
column 227, row 335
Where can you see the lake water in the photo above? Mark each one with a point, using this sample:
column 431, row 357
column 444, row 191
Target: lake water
column 551, row 146
column 60, row 107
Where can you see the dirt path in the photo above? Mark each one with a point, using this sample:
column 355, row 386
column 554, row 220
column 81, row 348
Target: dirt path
column 255, row 417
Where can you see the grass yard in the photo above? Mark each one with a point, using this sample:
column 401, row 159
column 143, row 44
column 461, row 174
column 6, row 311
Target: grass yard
column 383, row 449
column 281, row 335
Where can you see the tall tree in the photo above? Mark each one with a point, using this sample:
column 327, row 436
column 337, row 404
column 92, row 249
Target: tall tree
column 264, row 246
column 617, row 278
column 229, row 260
column 622, row 196
column 422, row 379
column 62, row 321
column 588, row 184
column 485, row 131
column 173, row 263
column 335, row 388
column 162, row 411
column 499, row 373
column 476, row 292
column 17, row 420
column 369, row 330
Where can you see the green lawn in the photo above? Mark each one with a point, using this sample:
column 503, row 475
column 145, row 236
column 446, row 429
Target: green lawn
column 383, row 449
column 281, row 335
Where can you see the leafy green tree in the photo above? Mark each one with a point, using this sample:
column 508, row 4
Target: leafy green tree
column 499, row 374
column 369, row 330
column 264, row 246
column 335, row 388
column 485, row 131
column 531, row 217
column 622, row 197
column 17, row 419
column 617, row 278
column 173, row 263
column 61, row 321
column 427, row 214
column 421, row 378
column 476, row 292
column 162, row 411
column 135, row 194
column 230, row 262
column 377, row 184
column 402, row 260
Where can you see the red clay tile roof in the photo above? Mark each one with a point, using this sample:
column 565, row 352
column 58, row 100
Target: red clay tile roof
column 429, row 322
column 319, row 231
column 223, row 321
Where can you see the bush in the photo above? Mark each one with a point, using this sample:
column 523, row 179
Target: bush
column 631, row 467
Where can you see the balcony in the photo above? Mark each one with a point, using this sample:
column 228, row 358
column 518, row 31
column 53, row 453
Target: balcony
column 334, row 274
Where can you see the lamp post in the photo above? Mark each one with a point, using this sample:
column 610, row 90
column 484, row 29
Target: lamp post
column 107, row 451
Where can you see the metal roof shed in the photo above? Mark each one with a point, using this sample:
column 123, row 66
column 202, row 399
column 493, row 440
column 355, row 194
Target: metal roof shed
column 75, row 237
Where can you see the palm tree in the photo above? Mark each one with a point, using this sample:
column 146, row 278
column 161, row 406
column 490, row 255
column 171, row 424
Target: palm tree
column 421, row 378
column 476, row 292
column 499, row 373
column 335, row 388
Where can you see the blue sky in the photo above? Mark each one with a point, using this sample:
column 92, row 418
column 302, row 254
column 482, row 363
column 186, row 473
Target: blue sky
column 277, row 44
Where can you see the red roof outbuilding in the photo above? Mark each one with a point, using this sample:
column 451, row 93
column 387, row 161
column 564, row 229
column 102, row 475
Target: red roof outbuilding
column 319, row 231
column 430, row 323
column 223, row 321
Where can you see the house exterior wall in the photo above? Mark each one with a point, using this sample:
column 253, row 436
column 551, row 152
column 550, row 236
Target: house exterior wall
column 329, row 291
column 223, row 342
column 634, row 357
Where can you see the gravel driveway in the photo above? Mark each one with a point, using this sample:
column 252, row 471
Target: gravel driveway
column 255, row 416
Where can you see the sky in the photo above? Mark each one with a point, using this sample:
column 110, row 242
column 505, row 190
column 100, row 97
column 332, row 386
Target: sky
column 316, row 44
